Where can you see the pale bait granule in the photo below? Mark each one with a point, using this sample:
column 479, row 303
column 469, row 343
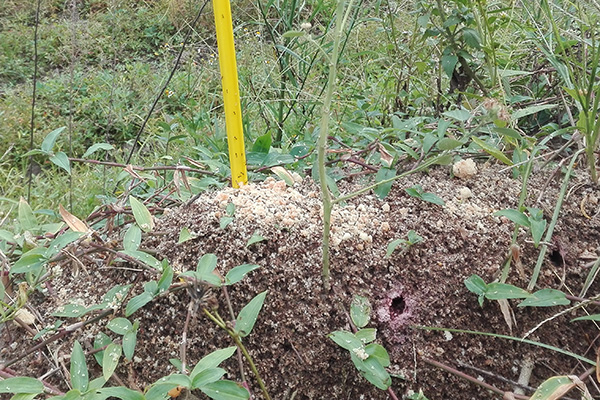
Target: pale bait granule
column 271, row 204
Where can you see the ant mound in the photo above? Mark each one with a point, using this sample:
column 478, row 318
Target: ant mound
column 416, row 286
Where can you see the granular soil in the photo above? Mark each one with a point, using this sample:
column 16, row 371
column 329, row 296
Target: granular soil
column 417, row 286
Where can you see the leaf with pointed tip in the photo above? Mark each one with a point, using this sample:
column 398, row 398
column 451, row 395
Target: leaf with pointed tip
column 78, row 370
column 141, row 214
column 247, row 317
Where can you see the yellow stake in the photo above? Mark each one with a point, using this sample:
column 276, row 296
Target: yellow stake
column 231, row 92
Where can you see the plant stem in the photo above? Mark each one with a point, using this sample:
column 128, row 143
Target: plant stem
column 216, row 318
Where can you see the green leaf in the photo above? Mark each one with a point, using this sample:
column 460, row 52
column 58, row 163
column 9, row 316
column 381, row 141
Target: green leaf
column 346, row 340
column 21, row 384
column 238, row 273
column 207, row 376
column 293, row 34
column 372, row 371
column 225, row 390
column 471, row 38
column 553, row 388
column 531, row 110
column 262, row 144
column 120, row 392
column 178, row 379
column 413, row 237
column 70, row 311
column 493, row 151
column 50, row 140
column 360, row 311
column 500, row 291
column 449, row 62
column 132, row 238
column 206, row 264
column 391, row 247
column 112, row 354
column 247, row 317
column 212, row 360
column 165, row 279
column 255, row 239
column 24, row 396
column 26, row 218
column 592, row 317
column 378, row 352
column 461, row 115
column 119, row 325
column 138, row 302
column 61, row 160
column 449, row 144
column 78, row 370
column 158, row 391
column 515, row 216
column 225, row 221
column 366, row 335
column 33, row 260
column 432, row 198
column 144, row 258
column 545, row 298
column 97, row 146
column 509, row 132
column 100, row 341
column 141, row 214
column 62, row 241
column 184, row 235
column 383, row 174
column 476, row 284
column 129, row 342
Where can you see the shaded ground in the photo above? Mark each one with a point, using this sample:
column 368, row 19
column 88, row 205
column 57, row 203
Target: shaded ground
column 420, row 286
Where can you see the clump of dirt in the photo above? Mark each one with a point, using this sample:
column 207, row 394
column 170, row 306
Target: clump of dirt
column 417, row 286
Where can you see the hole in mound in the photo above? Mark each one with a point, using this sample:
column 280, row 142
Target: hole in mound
column 556, row 257
column 398, row 305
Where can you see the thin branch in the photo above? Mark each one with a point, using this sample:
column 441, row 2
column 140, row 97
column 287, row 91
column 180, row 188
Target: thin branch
column 33, row 96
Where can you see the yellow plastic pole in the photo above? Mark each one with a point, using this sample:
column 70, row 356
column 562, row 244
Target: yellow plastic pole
column 231, row 92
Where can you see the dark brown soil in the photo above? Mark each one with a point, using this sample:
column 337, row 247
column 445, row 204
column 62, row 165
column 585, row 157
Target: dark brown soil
column 422, row 286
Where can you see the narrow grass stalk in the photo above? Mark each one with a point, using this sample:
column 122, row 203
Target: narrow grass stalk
column 516, row 339
column 341, row 19
column 552, row 225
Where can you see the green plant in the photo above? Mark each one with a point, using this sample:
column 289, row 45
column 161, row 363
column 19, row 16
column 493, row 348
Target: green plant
column 534, row 221
column 412, row 239
column 369, row 358
column 418, row 192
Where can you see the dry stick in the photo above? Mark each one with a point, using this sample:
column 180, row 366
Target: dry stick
column 74, row 18
column 471, row 378
column 239, row 352
column 62, row 333
column 136, row 168
column 35, row 71
column 164, row 87
column 191, row 309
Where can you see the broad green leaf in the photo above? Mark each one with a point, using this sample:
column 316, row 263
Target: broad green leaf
column 26, row 218
column 112, row 354
column 414, row 237
column 378, row 352
column 346, row 340
column 255, row 239
column 119, row 325
column 132, row 238
column 225, row 390
column 366, row 335
column 293, row 34
column 449, row 144
column 383, row 174
column 33, row 260
column 238, row 273
column 537, row 230
column 97, row 146
column 493, row 151
column 6, row 236
column 432, row 198
column 372, row 371
column 471, row 38
column 499, row 291
column 61, row 160
column 96, row 384
column 554, row 388
column 212, row 360
column 262, row 144
column 78, row 370
column 184, row 235
column 70, row 311
column 206, row 264
column 61, row 241
column 449, row 62
column 138, row 302
column 531, row 110
column 21, row 384
column 207, row 376
column 224, row 222
column 159, row 390
column 360, row 311
column 129, row 342
column 50, row 140
column 120, row 392
column 141, row 214
column 100, row 341
column 247, row 317
column 165, row 279
column 545, row 298
column 477, row 285
column 461, row 115
column 116, row 294
column 144, row 258
column 515, row 216
column 24, row 396
column 178, row 379
column 391, row 247
column 509, row 132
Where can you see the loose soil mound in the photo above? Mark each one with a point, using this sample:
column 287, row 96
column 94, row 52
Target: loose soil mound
column 418, row 286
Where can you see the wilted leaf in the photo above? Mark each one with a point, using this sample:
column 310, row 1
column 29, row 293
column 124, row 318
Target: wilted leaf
column 72, row 221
